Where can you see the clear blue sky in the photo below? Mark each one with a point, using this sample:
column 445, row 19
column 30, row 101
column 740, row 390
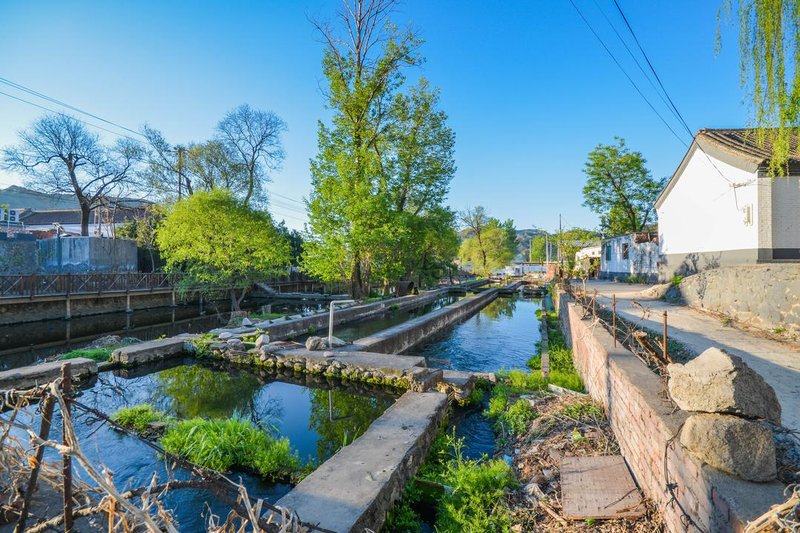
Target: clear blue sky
column 528, row 89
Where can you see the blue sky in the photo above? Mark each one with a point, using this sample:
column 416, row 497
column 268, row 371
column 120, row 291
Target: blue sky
column 528, row 89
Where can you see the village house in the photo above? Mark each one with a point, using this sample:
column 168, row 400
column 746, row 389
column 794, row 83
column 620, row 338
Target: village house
column 631, row 257
column 722, row 208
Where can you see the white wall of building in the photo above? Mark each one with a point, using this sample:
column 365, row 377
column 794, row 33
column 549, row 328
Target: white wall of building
column 704, row 213
column 641, row 258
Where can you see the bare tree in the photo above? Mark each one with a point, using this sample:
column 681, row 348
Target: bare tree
column 59, row 155
column 254, row 137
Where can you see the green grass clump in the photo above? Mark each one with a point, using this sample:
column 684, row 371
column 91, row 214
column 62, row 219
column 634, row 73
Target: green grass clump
column 583, row 411
column 233, row 443
column 139, row 417
column 477, row 501
column 100, row 355
column 567, row 380
column 517, row 417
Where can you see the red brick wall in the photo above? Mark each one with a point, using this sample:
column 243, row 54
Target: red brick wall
column 644, row 423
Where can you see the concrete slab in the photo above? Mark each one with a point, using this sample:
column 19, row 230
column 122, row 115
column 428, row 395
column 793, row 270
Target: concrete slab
column 388, row 364
column 354, row 489
column 145, row 352
column 30, row 376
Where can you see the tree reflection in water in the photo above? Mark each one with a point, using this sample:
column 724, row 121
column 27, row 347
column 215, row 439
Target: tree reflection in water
column 500, row 307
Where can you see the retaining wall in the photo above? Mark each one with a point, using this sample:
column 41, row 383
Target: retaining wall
column 400, row 338
column 763, row 296
column 646, row 424
column 88, row 254
column 18, row 256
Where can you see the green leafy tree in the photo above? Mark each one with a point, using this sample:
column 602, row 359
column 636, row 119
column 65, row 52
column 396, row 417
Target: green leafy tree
column 221, row 243
column 489, row 244
column 571, row 241
column 142, row 228
column 538, row 250
column 384, row 162
column 769, row 35
column 619, row 188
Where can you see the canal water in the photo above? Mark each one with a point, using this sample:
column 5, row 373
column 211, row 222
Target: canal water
column 317, row 421
column 32, row 342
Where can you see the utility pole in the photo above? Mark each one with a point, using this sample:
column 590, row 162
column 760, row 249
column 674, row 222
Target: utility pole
column 560, row 242
column 180, row 150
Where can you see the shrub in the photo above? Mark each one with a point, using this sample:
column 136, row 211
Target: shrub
column 233, row 443
column 101, row 355
column 518, row 416
column 139, row 417
column 676, row 280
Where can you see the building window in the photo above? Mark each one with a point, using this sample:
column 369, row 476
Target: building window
column 625, row 247
column 608, row 252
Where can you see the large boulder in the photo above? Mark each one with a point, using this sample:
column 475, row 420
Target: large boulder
column 718, row 382
column 314, row 343
column 734, row 445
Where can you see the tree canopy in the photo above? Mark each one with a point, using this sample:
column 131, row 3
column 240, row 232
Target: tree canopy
column 769, row 46
column 620, row 188
column 219, row 242
column 384, row 162
column 488, row 244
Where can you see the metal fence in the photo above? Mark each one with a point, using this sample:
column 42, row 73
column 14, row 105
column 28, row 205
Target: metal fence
column 91, row 283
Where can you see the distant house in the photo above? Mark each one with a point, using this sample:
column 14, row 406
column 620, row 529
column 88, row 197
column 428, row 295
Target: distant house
column 588, row 259
column 721, row 207
column 632, row 256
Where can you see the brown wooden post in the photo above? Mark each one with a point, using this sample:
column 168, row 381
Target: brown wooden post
column 66, row 389
column 614, row 318
column 594, row 300
column 44, row 433
column 664, row 346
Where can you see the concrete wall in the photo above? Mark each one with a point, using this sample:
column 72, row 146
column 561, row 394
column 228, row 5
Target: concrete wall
column 703, row 213
column 642, row 259
column 18, row 257
column 400, row 338
column 645, row 425
column 88, row 254
column 763, row 296
column 785, row 217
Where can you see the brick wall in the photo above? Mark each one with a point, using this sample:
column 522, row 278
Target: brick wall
column 646, row 424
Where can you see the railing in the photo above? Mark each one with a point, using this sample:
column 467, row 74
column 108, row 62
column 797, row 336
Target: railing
column 21, row 286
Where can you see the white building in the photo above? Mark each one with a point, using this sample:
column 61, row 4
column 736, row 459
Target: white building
column 722, row 208
column 632, row 256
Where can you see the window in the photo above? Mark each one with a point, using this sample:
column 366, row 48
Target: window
column 608, row 252
column 625, row 247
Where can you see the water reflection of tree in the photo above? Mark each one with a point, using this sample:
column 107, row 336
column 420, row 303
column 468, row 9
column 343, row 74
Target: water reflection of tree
column 500, row 307
column 200, row 391
column 348, row 418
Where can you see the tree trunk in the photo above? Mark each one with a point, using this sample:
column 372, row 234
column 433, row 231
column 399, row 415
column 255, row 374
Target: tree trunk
column 85, row 213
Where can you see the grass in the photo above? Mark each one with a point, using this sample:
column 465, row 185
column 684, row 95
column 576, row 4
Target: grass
column 101, row 355
column 584, row 411
column 233, row 443
column 139, row 417
column 475, row 500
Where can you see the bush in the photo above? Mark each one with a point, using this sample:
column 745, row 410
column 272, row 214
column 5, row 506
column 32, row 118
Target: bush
column 233, row 443
column 139, row 417
column 518, row 416
column 101, row 355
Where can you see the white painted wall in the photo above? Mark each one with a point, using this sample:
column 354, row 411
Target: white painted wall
column 642, row 257
column 786, row 212
column 704, row 213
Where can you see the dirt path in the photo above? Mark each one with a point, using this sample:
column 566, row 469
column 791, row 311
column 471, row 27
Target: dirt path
column 777, row 362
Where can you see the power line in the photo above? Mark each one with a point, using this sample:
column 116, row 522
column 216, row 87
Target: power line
column 616, row 62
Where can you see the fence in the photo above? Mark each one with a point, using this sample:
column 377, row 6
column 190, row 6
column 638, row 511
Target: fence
column 22, row 286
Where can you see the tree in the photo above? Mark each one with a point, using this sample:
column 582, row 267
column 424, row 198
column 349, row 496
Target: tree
column 142, row 228
column 59, row 155
column 253, row 137
column 571, row 241
column 219, row 242
column 489, row 244
column 538, row 250
column 355, row 220
column 769, row 35
column 619, row 188
column 212, row 165
column 295, row 239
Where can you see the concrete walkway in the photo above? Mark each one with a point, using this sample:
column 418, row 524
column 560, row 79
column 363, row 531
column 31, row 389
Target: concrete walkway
column 777, row 362
column 355, row 488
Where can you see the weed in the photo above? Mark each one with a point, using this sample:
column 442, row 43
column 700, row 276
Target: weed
column 232, row 443
column 676, row 280
column 518, row 416
column 312, row 329
column 139, row 417
column 202, row 343
column 726, row 322
column 394, row 307
column 475, row 397
column 582, row 411
column 780, row 330
column 268, row 316
column 100, row 355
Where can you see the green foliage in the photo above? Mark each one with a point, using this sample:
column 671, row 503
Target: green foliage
column 676, row 280
column 202, row 343
column 770, row 73
column 219, row 242
column 636, row 278
column 383, row 166
column 538, row 251
column 567, row 380
column 402, row 518
column 267, row 316
column 571, row 241
column 517, row 417
column 139, row 417
column 101, row 355
column 619, row 188
column 489, row 244
column 233, row 443
column 584, row 411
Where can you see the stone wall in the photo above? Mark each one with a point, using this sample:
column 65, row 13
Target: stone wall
column 764, row 296
column 646, row 424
